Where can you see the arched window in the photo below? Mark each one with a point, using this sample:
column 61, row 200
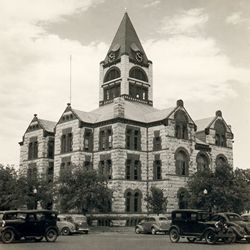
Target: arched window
column 220, row 133
column 202, row 161
column 133, row 201
column 181, row 162
column 220, row 160
column 112, row 73
column 138, row 73
column 181, row 122
column 128, row 201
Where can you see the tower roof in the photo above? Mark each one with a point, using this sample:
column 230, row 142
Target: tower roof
column 126, row 42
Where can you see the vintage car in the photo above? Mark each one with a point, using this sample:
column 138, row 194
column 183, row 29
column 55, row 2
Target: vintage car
column 65, row 227
column 240, row 227
column 79, row 220
column 245, row 217
column 28, row 224
column 195, row 225
column 153, row 224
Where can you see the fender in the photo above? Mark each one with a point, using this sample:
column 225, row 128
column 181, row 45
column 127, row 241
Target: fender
column 175, row 227
column 53, row 227
column 209, row 228
column 237, row 232
column 141, row 228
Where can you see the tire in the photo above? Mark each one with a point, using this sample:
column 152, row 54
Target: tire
column 153, row 231
column 8, row 236
column 38, row 238
column 174, row 235
column 137, row 230
column 248, row 240
column 210, row 237
column 191, row 239
column 51, row 235
column 86, row 232
column 65, row 231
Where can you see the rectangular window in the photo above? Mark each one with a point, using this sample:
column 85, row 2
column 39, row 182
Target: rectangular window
column 156, row 141
column 105, row 138
column 50, row 172
column 51, row 148
column 105, row 168
column 133, row 168
column 133, row 138
column 32, row 172
column 111, row 92
column 65, row 164
column 33, row 148
column 66, row 141
column 88, row 140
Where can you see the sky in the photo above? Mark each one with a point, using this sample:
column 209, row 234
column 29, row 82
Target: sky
column 200, row 51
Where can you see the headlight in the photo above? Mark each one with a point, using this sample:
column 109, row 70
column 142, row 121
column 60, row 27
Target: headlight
column 3, row 223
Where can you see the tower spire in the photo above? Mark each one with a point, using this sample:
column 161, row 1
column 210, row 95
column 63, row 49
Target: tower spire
column 125, row 42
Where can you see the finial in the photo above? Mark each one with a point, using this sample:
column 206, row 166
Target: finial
column 68, row 104
column 180, row 103
column 35, row 115
column 125, row 9
column 218, row 113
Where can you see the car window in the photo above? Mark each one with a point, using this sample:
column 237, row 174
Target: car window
column 234, row 217
column 1, row 216
column 151, row 219
column 21, row 216
column 163, row 219
column 31, row 217
column 203, row 217
column 177, row 216
column 193, row 217
column 10, row 216
column 40, row 216
column 80, row 218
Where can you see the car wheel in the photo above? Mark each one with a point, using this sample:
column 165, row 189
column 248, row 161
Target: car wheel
column 137, row 230
column 65, row 231
column 8, row 236
column 191, row 239
column 174, row 235
column 86, row 232
column 38, row 238
column 51, row 235
column 210, row 237
column 153, row 231
column 248, row 240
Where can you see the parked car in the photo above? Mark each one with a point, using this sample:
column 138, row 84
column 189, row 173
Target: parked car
column 29, row 224
column 240, row 227
column 246, row 217
column 153, row 224
column 65, row 227
column 79, row 220
column 195, row 225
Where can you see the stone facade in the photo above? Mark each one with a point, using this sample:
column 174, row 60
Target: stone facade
column 145, row 146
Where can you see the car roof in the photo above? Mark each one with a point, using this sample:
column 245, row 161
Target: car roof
column 28, row 211
column 189, row 211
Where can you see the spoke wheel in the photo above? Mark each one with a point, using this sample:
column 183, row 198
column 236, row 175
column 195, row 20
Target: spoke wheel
column 7, row 236
column 51, row 235
column 65, row 231
column 210, row 237
column 137, row 230
column 174, row 235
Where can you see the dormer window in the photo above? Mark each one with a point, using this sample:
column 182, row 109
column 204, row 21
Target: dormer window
column 112, row 74
column 220, row 134
column 181, row 122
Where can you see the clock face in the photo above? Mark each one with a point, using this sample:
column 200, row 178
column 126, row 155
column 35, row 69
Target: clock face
column 138, row 56
column 111, row 56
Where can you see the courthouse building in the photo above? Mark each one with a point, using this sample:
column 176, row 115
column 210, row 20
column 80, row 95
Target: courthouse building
column 132, row 143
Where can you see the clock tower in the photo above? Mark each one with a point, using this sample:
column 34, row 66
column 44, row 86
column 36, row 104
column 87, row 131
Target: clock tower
column 126, row 70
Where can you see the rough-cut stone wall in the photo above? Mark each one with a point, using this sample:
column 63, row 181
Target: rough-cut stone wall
column 42, row 160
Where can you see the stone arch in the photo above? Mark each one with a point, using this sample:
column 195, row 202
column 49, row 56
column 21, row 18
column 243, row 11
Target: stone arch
column 133, row 200
column 221, row 160
column 111, row 74
column 182, row 162
column 138, row 73
column 202, row 161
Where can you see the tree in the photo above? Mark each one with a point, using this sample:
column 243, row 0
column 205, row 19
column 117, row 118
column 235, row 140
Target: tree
column 156, row 201
column 8, row 188
column 83, row 190
column 226, row 189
